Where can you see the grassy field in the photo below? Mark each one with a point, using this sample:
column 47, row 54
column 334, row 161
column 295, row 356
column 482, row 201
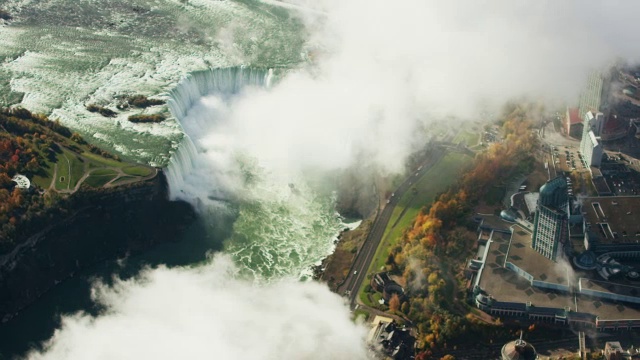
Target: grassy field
column 137, row 170
column 466, row 137
column 77, row 168
column 103, row 162
column 435, row 181
column 62, row 179
column 100, row 177
column 123, row 179
column 72, row 167
column 45, row 181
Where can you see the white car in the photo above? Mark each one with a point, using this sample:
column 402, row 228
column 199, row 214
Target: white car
column 355, row 272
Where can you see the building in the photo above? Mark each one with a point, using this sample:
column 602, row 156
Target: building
column 381, row 282
column 592, row 150
column 613, row 351
column 592, row 96
column 516, row 282
column 615, row 128
column 572, row 121
column 550, row 224
column 611, row 225
column 590, row 145
column 518, row 350
column 21, row 181
column 391, row 340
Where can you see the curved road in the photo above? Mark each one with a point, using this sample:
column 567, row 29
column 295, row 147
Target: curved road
column 358, row 271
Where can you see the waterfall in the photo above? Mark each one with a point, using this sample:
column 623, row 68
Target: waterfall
column 226, row 82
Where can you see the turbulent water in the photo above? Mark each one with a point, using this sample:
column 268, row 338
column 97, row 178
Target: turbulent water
column 283, row 225
column 60, row 55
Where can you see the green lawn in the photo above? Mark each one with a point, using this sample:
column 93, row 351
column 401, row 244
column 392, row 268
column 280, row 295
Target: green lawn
column 100, row 177
column 436, row 180
column 137, row 170
column 45, row 181
column 77, row 168
column 104, row 162
column 99, row 172
column 62, row 179
column 123, row 179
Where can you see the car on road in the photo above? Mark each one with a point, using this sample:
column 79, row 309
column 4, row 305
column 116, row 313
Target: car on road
column 355, row 272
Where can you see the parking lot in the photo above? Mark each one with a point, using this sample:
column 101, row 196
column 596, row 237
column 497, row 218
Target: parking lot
column 567, row 158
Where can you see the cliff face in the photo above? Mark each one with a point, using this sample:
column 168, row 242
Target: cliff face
column 102, row 225
column 357, row 193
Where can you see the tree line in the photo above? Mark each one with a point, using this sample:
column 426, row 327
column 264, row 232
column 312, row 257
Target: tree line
column 431, row 254
column 28, row 142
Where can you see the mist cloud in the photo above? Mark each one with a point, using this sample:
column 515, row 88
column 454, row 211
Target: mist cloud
column 208, row 312
column 382, row 70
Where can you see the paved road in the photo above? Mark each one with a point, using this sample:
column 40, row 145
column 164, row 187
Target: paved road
column 358, row 272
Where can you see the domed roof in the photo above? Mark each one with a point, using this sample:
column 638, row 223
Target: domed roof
column 508, row 215
column 519, row 350
column 586, row 260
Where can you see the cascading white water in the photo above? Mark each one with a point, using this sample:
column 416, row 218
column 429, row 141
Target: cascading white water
column 226, row 81
column 283, row 226
column 223, row 81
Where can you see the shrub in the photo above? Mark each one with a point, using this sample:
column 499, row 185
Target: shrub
column 141, row 118
column 141, row 101
column 106, row 112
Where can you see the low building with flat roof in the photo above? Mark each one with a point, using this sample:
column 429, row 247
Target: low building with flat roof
column 611, row 223
column 516, row 282
column 599, row 182
column 572, row 121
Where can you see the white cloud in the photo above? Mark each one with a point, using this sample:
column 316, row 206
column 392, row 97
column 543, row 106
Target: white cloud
column 383, row 67
column 380, row 68
column 208, row 312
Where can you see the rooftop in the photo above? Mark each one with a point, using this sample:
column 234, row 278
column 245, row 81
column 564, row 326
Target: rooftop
column 522, row 255
column 505, row 285
column 613, row 219
column 610, row 287
column 22, row 181
column 614, row 123
column 602, row 188
column 574, row 117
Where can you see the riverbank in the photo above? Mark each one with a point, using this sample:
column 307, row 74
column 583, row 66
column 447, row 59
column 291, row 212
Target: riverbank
column 335, row 267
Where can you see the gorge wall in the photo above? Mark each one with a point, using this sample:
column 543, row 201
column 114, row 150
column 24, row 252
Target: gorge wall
column 99, row 226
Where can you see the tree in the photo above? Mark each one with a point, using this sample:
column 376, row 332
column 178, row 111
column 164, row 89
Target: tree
column 394, row 303
column 448, row 357
column 77, row 138
column 405, row 307
column 5, row 180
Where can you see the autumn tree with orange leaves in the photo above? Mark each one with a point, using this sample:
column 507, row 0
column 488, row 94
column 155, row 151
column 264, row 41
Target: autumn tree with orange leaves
column 438, row 243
